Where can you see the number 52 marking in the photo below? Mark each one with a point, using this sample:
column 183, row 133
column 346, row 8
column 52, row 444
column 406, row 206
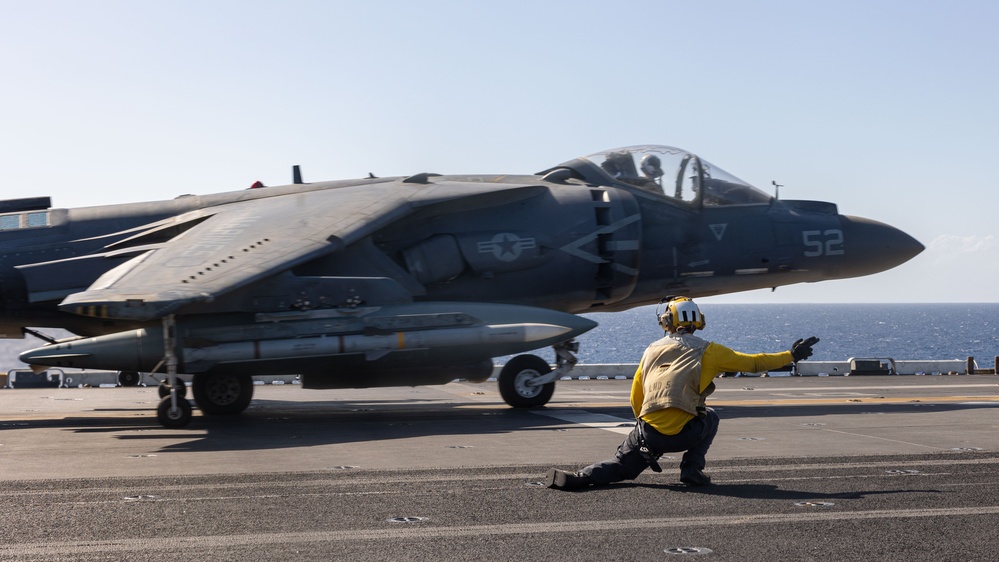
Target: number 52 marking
column 823, row 242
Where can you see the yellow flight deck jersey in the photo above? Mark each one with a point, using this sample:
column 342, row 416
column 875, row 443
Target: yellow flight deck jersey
column 716, row 359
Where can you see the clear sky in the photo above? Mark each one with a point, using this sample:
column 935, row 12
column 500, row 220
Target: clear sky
column 887, row 108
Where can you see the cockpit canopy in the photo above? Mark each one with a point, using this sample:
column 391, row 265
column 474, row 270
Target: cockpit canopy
column 668, row 171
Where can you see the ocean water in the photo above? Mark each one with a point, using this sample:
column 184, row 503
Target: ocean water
column 898, row 331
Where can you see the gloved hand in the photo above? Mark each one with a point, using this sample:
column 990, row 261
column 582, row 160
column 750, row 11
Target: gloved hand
column 802, row 349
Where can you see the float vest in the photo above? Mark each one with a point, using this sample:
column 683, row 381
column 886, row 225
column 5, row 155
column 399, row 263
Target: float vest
column 671, row 375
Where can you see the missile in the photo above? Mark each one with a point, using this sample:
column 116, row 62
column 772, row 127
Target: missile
column 376, row 344
column 442, row 336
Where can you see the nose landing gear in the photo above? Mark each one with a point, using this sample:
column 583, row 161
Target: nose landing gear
column 528, row 381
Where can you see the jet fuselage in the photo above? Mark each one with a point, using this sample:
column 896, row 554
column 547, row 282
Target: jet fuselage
column 407, row 280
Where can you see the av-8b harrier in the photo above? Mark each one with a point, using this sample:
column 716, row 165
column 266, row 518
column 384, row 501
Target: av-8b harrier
column 403, row 281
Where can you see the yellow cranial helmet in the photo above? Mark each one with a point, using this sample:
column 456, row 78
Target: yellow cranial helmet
column 681, row 312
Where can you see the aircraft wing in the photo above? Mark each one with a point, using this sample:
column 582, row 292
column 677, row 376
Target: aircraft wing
column 243, row 242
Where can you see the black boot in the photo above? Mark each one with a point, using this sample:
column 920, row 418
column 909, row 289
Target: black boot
column 694, row 477
column 562, row 480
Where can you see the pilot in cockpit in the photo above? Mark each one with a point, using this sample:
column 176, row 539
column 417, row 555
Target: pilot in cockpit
column 621, row 166
column 652, row 173
column 652, row 169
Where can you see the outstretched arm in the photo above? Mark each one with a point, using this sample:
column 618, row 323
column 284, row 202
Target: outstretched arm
column 720, row 359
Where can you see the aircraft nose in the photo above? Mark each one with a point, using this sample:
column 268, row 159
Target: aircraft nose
column 873, row 246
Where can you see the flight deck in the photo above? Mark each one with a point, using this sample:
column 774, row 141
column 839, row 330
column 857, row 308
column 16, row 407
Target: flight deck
column 837, row 468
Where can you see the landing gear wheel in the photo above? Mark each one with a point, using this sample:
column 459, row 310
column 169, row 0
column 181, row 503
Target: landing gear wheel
column 174, row 418
column 222, row 394
column 128, row 378
column 164, row 389
column 514, row 382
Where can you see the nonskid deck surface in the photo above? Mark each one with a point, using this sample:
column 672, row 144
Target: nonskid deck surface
column 891, row 468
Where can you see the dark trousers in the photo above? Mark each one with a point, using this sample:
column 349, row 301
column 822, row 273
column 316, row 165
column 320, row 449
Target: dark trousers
column 695, row 438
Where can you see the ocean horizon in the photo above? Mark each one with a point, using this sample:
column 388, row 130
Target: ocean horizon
column 934, row 331
column 893, row 330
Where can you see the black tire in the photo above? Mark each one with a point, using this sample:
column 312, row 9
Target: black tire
column 174, row 419
column 128, row 378
column 515, row 375
column 164, row 389
column 222, row 395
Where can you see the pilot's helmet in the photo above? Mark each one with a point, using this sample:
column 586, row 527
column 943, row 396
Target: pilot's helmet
column 681, row 312
column 651, row 166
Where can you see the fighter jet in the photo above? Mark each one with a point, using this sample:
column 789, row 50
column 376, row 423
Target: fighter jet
column 403, row 281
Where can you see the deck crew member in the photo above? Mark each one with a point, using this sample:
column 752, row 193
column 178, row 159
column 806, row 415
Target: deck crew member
column 668, row 396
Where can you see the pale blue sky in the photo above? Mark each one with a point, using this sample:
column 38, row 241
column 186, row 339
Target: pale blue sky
column 887, row 108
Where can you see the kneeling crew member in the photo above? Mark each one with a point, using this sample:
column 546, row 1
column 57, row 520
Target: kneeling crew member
column 668, row 397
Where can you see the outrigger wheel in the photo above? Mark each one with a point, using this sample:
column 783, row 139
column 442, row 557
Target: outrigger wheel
column 174, row 418
column 164, row 388
column 516, row 382
column 174, row 410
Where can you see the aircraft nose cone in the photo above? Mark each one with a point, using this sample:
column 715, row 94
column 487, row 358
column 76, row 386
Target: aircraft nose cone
column 874, row 246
